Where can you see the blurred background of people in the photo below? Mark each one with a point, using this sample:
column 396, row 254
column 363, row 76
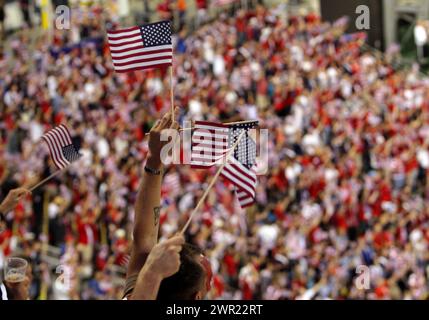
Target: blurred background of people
column 348, row 158
column 13, row 290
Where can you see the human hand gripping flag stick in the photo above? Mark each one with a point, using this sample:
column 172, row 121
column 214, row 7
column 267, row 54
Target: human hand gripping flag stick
column 63, row 151
column 206, row 193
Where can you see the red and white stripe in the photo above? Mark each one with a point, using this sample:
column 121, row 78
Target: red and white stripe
column 245, row 199
column 56, row 139
column 124, row 260
column 129, row 53
column 244, row 180
column 171, row 185
column 209, row 144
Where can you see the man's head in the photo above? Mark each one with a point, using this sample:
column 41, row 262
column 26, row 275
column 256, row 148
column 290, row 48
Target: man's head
column 193, row 280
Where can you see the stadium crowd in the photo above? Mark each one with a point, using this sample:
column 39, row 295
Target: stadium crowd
column 348, row 159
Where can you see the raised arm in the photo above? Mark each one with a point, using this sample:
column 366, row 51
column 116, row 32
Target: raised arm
column 12, row 199
column 147, row 206
column 10, row 202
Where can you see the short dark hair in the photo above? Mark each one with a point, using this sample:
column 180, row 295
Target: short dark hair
column 186, row 283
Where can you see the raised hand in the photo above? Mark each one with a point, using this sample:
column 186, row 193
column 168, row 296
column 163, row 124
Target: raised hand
column 12, row 199
column 155, row 143
column 162, row 262
column 164, row 258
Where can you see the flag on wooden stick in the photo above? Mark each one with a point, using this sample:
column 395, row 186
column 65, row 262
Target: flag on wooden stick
column 141, row 47
column 210, row 144
column 238, row 170
column 61, row 147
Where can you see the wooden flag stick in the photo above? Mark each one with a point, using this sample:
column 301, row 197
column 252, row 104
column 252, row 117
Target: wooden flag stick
column 171, row 93
column 203, row 198
column 46, row 179
column 227, row 123
column 240, row 122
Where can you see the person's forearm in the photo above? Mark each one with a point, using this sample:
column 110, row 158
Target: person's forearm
column 3, row 208
column 147, row 207
column 147, row 285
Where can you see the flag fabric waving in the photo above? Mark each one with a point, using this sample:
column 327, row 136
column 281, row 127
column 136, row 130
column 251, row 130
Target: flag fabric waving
column 244, row 179
column 141, row 47
column 210, row 144
column 171, row 184
column 245, row 152
column 61, row 147
column 238, row 170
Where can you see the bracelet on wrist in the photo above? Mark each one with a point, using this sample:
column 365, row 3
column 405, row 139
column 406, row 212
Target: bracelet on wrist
column 154, row 172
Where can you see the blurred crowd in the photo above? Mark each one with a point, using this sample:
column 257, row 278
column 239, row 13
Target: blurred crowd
column 348, row 159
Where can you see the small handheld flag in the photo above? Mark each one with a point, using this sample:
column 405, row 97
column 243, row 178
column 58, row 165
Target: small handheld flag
column 141, row 47
column 210, row 186
column 239, row 171
column 61, row 147
column 212, row 141
column 63, row 151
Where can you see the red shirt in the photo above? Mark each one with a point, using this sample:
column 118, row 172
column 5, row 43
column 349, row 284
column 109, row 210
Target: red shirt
column 87, row 233
column 231, row 265
column 5, row 239
column 247, row 291
column 219, row 286
column 382, row 239
column 201, row 4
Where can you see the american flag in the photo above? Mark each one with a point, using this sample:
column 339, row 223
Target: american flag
column 61, row 147
column 238, row 170
column 210, row 143
column 142, row 47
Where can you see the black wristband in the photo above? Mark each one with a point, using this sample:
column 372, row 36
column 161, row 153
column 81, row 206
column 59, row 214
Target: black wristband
column 152, row 171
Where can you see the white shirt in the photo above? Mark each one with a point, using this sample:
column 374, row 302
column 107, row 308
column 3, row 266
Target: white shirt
column 420, row 35
column 268, row 235
column 3, row 292
column 195, row 107
column 423, row 158
column 218, row 65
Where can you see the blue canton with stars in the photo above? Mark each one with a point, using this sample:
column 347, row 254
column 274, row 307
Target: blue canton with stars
column 71, row 153
column 245, row 152
column 156, row 34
